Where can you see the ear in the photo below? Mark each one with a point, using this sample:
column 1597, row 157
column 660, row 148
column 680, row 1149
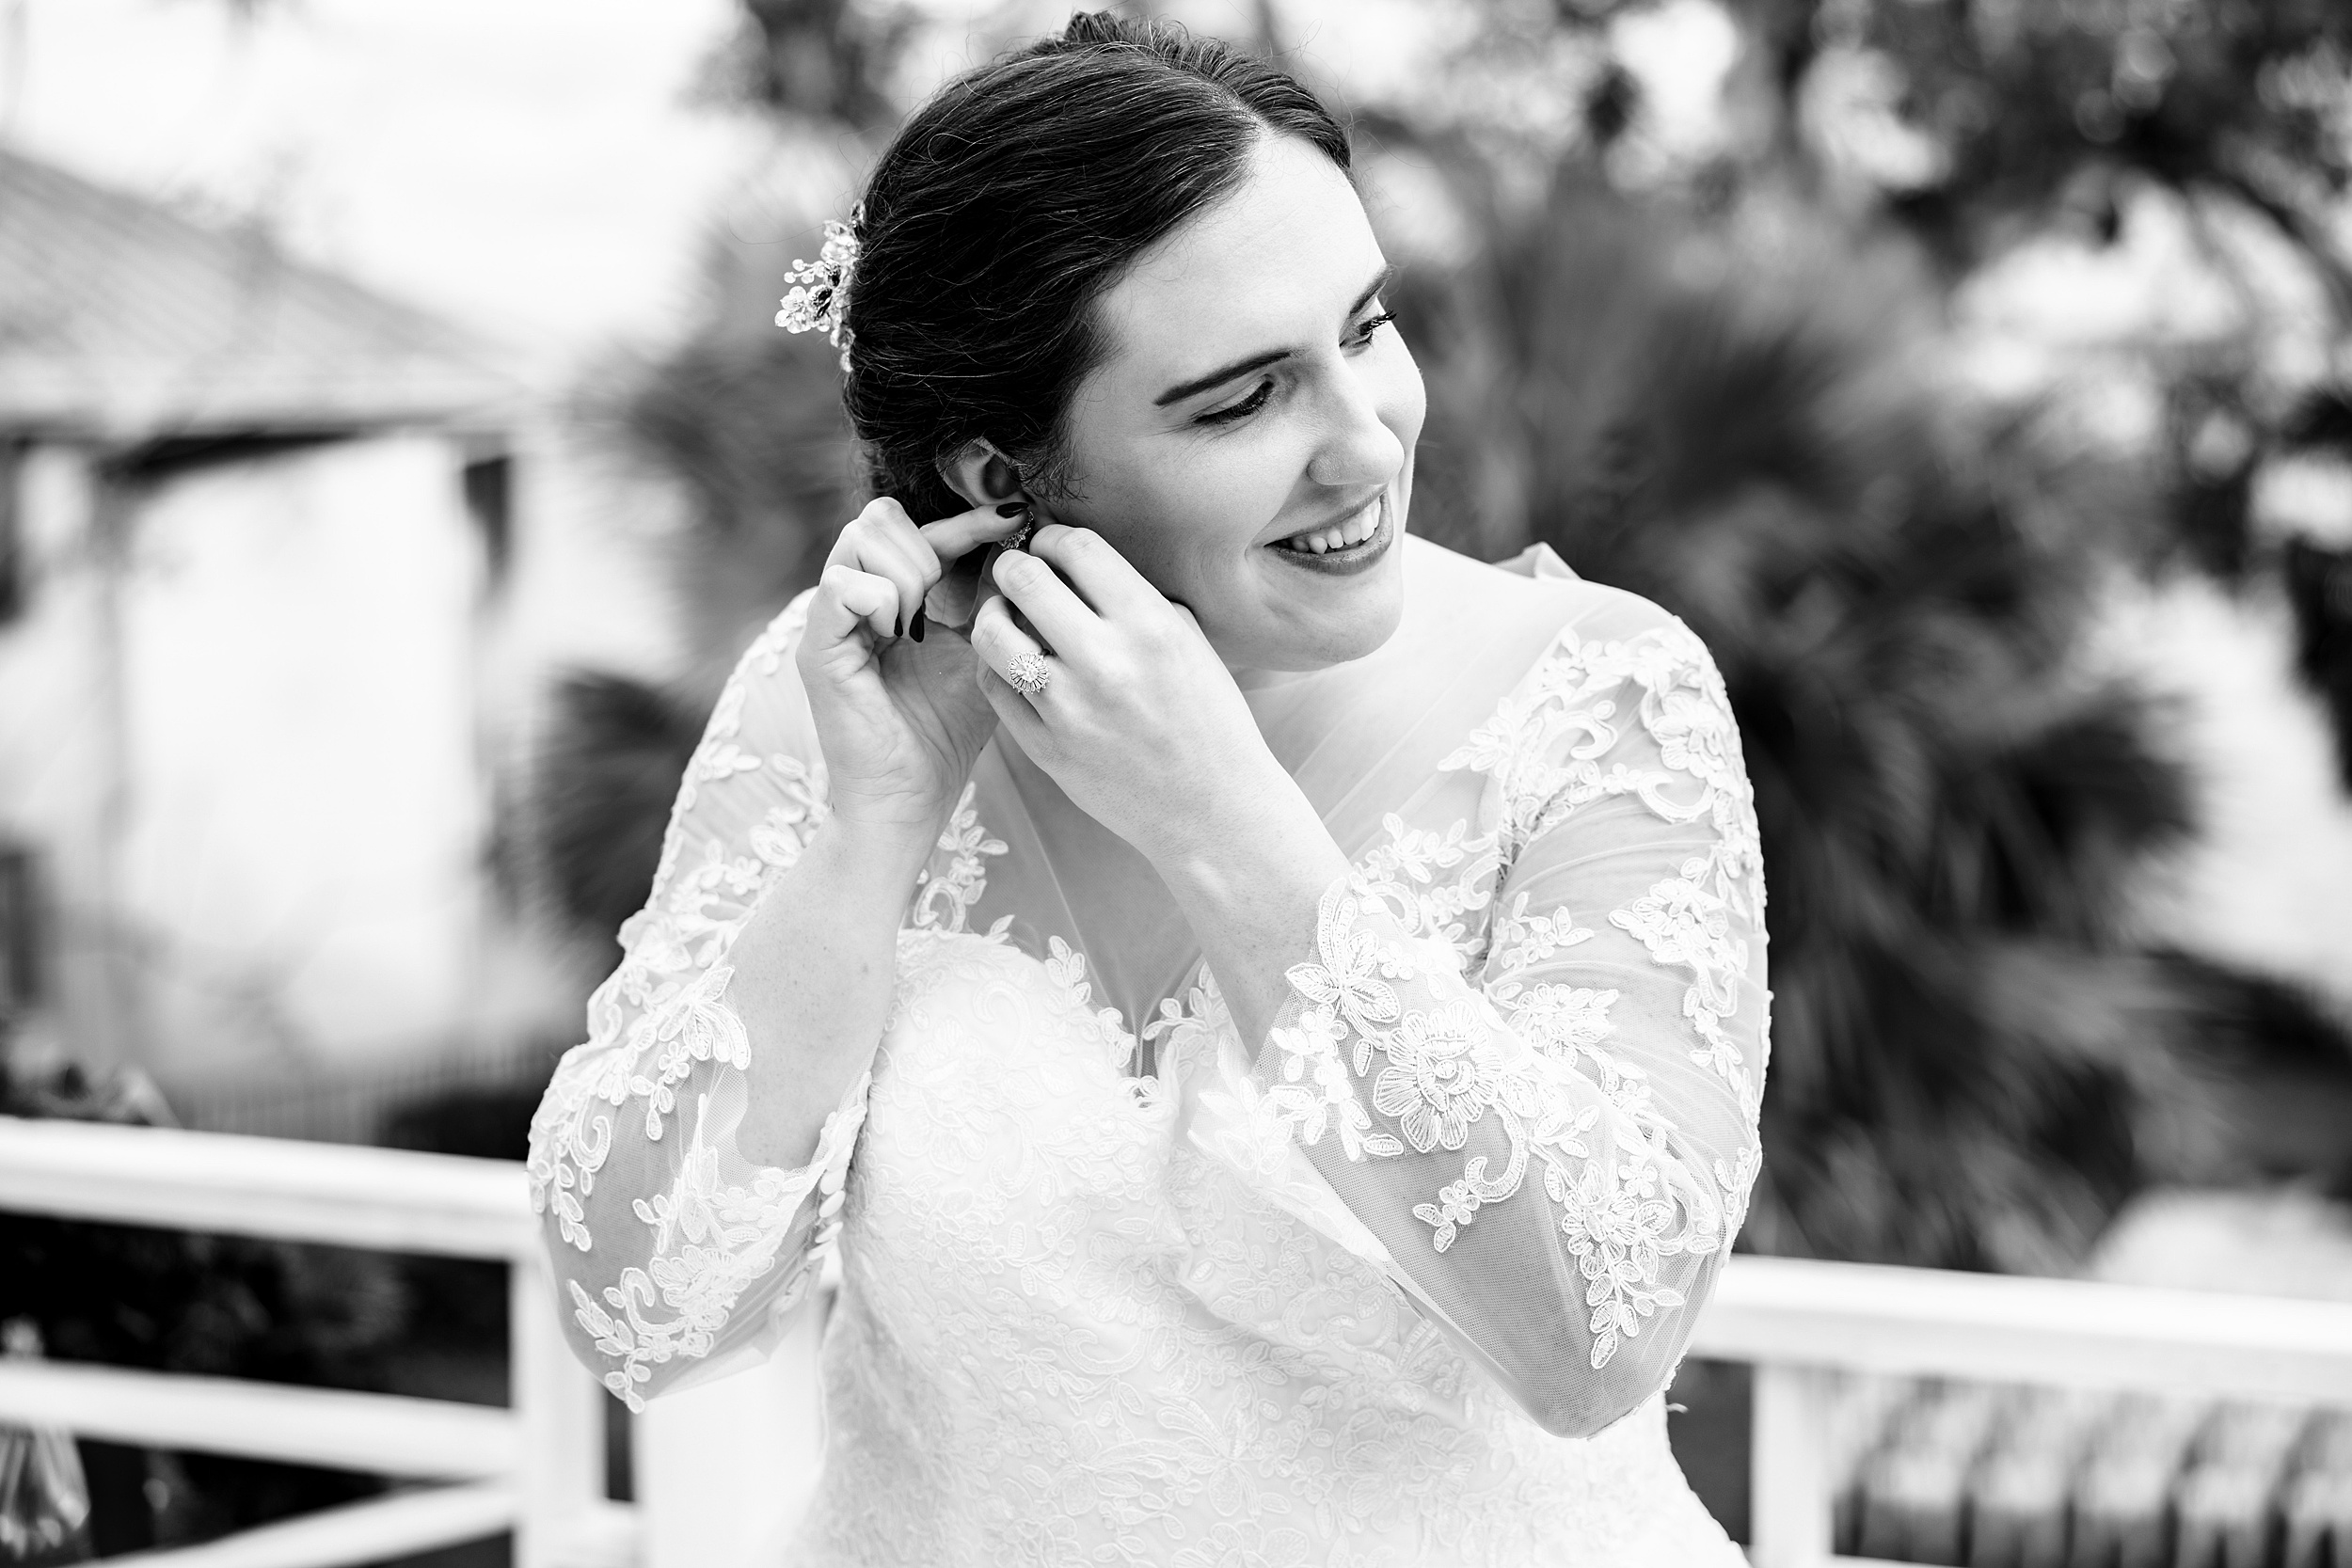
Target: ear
column 981, row 475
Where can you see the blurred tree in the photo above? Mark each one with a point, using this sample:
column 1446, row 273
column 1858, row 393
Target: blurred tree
column 1969, row 127
column 746, row 423
column 1965, row 1067
column 1974, row 1060
column 2026, row 112
column 823, row 60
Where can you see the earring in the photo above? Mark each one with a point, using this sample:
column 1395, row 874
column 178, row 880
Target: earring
column 1019, row 538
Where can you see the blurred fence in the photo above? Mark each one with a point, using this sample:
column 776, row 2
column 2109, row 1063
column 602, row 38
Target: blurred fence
column 535, row 1467
column 2014, row 1476
column 1883, row 1396
column 349, row 1104
column 1919, row 1416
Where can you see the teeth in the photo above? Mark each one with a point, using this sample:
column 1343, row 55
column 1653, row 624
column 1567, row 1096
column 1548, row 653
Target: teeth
column 1355, row 531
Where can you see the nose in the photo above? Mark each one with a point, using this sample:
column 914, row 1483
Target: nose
column 1357, row 446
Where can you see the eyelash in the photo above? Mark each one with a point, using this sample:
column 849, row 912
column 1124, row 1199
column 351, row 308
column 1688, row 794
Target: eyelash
column 1257, row 398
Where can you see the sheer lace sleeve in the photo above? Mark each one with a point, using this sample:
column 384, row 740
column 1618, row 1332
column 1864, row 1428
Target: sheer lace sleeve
column 1528, row 1062
column 680, row 1258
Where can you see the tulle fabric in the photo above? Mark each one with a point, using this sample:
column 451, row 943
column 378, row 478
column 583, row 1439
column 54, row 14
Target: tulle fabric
column 1117, row 1280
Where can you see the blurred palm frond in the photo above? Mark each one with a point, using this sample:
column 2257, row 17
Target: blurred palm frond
column 1973, row 1062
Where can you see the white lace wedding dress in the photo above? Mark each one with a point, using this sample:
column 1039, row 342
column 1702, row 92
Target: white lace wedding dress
column 1398, row 1285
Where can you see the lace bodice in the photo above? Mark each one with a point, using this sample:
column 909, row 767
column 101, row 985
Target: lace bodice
column 1345, row 1291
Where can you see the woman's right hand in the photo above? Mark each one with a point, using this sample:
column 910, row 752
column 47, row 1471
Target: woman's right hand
column 899, row 720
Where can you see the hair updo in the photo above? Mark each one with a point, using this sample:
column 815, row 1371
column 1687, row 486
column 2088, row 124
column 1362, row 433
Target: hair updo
column 1006, row 207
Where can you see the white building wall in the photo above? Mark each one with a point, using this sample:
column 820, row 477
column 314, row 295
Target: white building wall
column 306, row 814
column 58, row 741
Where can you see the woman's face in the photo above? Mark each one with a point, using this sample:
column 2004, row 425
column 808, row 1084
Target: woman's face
column 1247, row 439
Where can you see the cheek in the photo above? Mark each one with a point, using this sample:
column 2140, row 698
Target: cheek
column 1166, row 521
column 1404, row 403
column 1189, row 528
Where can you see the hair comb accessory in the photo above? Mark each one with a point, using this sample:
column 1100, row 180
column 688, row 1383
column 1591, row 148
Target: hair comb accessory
column 818, row 300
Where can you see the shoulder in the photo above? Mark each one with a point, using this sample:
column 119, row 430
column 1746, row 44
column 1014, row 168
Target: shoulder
column 1554, row 619
column 1597, row 677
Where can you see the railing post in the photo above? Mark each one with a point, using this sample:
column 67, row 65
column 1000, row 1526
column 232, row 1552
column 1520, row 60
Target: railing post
column 1789, row 1509
column 560, row 1408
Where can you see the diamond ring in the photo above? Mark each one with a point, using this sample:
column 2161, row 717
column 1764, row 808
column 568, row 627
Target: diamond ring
column 1028, row 674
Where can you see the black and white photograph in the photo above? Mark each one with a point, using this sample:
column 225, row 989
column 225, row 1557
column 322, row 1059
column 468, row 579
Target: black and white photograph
column 1188, row 784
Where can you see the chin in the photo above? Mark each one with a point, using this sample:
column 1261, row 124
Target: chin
column 1364, row 635
column 1339, row 635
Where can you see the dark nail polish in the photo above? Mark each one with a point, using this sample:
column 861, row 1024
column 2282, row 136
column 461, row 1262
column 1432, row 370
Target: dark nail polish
column 899, row 627
column 918, row 625
column 1012, row 509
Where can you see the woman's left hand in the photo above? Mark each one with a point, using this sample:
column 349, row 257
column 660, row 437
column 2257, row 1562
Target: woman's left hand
column 1139, row 721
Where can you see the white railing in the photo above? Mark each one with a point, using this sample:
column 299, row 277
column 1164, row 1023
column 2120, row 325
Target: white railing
column 537, row 1467
column 1803, row 1324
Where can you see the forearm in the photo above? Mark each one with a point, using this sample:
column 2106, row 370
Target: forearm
column 814, row 970
column 1248, row 882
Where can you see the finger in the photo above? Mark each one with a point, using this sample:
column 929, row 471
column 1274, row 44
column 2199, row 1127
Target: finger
column 848, row 599
column 952, row 538
column 1060, row 617
column 893, row 548
column 965, row 544
column 881, row 542
column 878, row 512
column 999, row 642
column 1104, row 579
column 1015, row 713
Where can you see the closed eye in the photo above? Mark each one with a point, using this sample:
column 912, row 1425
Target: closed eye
column 1360, row 336
column 1241, row 410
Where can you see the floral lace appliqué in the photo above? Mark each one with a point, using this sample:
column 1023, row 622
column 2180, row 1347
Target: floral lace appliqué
column 1442, row 1061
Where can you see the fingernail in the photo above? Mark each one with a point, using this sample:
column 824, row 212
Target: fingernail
column 918, row 625
column 899, row 627
column 1012, row 509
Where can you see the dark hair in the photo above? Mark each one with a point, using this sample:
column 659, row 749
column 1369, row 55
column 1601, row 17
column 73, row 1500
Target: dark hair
column 1005, row 207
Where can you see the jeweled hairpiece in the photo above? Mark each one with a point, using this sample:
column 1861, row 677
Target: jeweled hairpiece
column 820, row 297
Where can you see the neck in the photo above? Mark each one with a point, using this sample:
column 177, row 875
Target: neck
column 1255, row 680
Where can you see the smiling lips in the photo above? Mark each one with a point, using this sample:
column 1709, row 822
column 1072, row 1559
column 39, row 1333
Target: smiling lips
column 1352, row 530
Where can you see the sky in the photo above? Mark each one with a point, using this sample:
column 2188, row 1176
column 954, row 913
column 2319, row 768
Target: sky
column 530, row 167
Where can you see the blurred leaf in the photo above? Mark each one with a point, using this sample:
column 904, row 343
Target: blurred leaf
column 601, row 797
column 827, row 60
column 1972, row 1066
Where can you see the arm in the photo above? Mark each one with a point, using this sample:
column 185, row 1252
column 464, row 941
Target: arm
column 1554, row 1146
column 1547, row 1148
column 677, row 1248
column 690, row 1156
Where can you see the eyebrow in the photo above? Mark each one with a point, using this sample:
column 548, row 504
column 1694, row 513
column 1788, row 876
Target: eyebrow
column 1258, row 361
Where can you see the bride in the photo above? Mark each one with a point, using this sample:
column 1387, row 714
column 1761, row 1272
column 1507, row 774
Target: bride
column 1270, row 1014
